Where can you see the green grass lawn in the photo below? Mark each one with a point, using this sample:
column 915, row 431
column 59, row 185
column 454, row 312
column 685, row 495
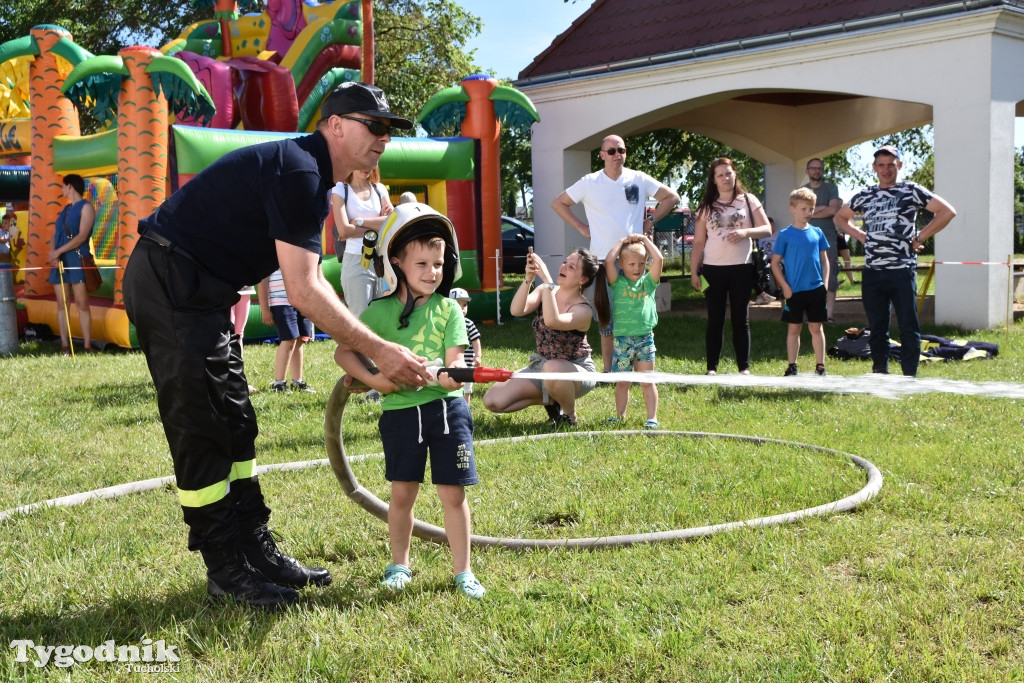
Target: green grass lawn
column 923, row 583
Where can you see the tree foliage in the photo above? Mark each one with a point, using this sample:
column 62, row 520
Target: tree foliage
column 101, row 26
column 681, row 159
column 516, row 171
column 1018, row 185
column 420, row 46
column 1018, row 201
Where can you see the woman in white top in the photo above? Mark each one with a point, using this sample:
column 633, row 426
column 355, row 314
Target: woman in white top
column 728, row 222
column 359, row 204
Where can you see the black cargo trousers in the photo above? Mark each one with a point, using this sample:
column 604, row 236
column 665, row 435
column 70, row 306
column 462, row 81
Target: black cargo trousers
column 181, row 315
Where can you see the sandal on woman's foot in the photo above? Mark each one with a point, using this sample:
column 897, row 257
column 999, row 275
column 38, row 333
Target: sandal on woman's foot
column 470, row 587
column 553, row 410
column 651, row 424
column 613, row 420
column 396, row 577
column 565, row 421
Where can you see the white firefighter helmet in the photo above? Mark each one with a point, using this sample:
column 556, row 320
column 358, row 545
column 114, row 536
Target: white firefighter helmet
column 413, row 220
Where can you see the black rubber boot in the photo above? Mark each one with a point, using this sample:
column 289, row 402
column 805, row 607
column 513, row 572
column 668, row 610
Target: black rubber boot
column 229, row 576
column 258, row 542
column 260, row 549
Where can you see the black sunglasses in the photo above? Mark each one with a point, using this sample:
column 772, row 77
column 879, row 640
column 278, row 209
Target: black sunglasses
column 376, row 127
column 612, row 150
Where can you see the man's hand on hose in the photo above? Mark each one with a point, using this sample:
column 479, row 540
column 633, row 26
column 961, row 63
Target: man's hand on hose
column 401, row 365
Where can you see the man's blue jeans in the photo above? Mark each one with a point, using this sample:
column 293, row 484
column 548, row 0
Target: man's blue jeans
column 899, row 288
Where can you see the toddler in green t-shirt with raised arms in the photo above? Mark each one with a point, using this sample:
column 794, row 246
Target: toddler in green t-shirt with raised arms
column 635, row 314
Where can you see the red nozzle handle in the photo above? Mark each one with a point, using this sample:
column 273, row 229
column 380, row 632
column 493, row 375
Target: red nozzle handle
column 480, row 374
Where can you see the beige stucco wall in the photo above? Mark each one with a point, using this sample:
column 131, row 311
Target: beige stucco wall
column 965, row 74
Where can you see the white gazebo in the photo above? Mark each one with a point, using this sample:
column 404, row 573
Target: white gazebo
column 785, row 88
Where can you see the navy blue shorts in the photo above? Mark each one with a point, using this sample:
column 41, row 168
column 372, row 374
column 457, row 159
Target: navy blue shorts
column 444, row 427
column 291, row 324
column 810, row 301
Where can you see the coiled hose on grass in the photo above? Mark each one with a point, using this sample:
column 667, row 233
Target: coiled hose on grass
column 333, row 439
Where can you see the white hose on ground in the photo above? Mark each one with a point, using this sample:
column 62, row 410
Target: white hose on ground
column 333, row 420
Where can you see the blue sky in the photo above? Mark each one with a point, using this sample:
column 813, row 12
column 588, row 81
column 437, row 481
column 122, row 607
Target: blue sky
column 515, row 32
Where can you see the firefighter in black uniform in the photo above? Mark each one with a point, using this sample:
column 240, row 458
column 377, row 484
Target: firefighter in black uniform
column 254, row 210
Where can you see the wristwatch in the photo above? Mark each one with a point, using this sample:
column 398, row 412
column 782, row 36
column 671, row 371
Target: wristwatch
column 359, row 222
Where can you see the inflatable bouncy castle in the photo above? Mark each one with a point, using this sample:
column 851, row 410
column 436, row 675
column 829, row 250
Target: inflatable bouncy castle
column 174, row 110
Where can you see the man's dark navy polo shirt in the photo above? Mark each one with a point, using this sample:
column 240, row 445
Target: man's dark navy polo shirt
column 229, row 216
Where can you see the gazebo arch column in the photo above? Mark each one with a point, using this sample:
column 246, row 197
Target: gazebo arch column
column 972, row 136
column 780, row 179
column 555, row 169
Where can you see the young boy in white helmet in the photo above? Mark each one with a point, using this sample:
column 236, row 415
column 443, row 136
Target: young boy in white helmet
column 417, row 255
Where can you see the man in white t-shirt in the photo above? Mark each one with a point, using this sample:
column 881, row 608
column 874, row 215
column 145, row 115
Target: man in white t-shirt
column 614, row 201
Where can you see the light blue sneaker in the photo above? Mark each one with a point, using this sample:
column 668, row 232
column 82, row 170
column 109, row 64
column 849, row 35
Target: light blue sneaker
column 469, row 586
column 396, row 577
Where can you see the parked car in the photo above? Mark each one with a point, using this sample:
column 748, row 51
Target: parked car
column 516, row 238
column 674, row 233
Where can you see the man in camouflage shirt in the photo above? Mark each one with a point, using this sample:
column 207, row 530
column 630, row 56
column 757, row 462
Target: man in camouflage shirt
column 891, row 244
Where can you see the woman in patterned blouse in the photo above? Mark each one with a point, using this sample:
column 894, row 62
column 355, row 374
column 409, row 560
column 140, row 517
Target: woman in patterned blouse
column 560, row 326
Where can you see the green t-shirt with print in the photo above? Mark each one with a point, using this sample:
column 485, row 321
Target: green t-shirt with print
column 433, row 327
column 634, row 311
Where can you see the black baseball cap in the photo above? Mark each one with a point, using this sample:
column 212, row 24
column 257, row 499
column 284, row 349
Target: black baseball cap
column 361, row 98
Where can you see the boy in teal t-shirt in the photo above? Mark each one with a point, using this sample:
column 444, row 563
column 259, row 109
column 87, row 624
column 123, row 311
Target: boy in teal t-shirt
column 634, row 314
column 415, row 243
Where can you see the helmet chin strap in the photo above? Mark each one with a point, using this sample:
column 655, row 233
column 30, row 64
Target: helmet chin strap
column 410, row 306
column 410, row 300
column 451, row 260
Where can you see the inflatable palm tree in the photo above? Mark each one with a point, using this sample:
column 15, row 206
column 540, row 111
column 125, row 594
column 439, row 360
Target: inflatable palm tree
column 480, row 106
column 53, row 53
column 139, row 88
